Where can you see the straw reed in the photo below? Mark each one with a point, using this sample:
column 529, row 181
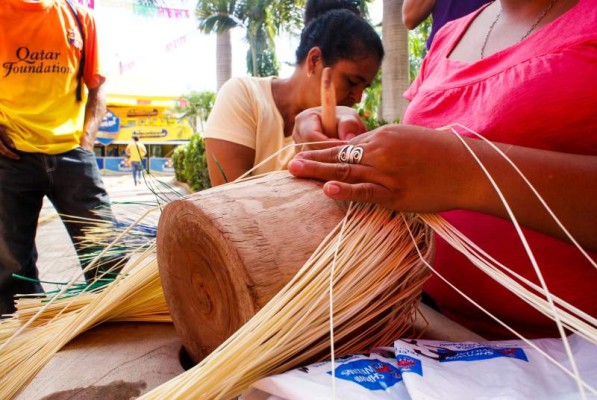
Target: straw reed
column 375, row 292
column 136, row 295
column 374, row 262
column 376, row 284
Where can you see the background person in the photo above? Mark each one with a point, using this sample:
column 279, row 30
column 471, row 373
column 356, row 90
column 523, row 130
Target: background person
column 523, row 75
column 48, row 51
column 414, row 12
column 253, row 118
column 135, row 151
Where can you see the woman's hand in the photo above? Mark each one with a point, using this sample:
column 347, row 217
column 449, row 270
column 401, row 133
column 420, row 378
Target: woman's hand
column 405, row 168
column 308, row 128
column 7, row 146
column 409, row 168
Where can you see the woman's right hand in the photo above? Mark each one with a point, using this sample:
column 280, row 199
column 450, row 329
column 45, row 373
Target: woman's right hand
column 7, row 145
column 308, row 128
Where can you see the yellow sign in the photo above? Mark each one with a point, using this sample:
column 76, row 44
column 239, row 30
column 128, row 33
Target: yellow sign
column 155, row 133
column 146, row 120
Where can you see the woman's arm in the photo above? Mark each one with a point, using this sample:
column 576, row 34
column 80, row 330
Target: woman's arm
column 230, row 133
column 227, row 161
column 423, row 170
column 415, row 11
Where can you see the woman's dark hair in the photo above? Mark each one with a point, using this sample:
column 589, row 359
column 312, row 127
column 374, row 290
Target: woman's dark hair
column 337, row 28
column 315, row 8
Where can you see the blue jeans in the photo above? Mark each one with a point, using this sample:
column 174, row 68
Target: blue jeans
column 137, row 168
column 71, row 181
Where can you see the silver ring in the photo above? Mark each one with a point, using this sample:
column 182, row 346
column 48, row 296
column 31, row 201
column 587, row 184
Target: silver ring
column 350, row 154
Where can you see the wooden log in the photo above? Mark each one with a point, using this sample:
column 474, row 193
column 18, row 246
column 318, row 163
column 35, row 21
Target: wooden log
column 225, row 252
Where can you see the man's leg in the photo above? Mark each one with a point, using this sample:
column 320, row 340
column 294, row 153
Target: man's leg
column 76, row 190
column 21, row 197
column 139, row 172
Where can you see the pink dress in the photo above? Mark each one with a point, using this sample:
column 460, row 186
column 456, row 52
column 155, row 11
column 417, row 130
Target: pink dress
column 540, row 93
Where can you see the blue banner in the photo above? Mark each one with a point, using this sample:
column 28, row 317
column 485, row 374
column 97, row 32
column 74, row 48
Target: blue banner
column 121, row 165
column 108, row 129
column 161, row 165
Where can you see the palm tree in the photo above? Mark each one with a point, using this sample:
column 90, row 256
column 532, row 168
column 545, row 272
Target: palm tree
column 261, row 20
column 395, row 67
column 218, row 16
column 195, row 107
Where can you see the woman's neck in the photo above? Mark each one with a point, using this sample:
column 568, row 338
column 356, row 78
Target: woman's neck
column 293, row 95
column 530, row 10
column 506, row 23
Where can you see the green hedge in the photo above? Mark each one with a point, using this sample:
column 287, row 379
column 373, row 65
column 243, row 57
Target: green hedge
column 190, row 166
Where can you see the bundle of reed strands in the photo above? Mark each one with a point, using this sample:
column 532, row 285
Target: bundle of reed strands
column 281, row 339
column 371, row 266
column 135, row 295
column 100, row 234
column 387, row 302
column 41, row 326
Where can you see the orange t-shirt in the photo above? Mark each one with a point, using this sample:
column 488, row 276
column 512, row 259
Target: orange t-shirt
column 40, row 51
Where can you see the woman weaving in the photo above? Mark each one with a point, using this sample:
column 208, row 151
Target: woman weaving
column 521, row 74
column 253, row 118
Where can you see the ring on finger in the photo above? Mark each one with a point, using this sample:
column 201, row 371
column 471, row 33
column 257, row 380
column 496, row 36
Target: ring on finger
column 351, row 154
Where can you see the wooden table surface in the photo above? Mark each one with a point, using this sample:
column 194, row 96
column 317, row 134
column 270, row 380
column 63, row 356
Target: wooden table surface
column 111, row 361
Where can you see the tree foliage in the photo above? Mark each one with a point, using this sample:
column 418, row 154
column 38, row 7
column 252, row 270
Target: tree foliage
column 190, row 165
column 266, row 60
column 417, row 47
column 368, row 108
column 261, row 20
column 195, row 107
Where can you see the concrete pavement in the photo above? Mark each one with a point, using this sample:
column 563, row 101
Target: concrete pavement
column 57, row 258
column 113, row 360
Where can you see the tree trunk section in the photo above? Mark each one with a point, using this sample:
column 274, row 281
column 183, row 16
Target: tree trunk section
column 395, row 65
column 225, row 252
column 223, row 58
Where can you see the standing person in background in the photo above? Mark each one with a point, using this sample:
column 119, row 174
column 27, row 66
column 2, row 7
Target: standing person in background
column 48, row 124
column 135, row 151
column 253, row 118
column 442, row 11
